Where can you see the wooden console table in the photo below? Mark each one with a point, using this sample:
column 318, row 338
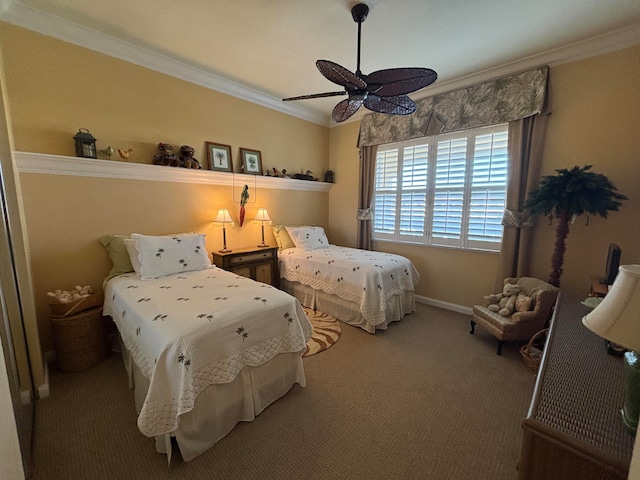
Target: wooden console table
column 574, row 428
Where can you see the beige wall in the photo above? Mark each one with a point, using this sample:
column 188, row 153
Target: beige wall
column 595, row 120
column 343, row 201
column 54, row 88
column 64, row 228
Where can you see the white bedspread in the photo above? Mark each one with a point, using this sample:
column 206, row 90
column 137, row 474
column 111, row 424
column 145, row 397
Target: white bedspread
column 190, row 330
column 364, row 277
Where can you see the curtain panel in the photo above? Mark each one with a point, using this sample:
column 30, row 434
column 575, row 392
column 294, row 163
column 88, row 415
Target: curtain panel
column 365, row 196
column 498, row 101
column 526, row 145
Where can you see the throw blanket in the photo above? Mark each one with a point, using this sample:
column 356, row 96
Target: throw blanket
column 366, row 278
column 187, row 331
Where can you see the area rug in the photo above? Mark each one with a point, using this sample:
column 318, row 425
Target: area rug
column 326, row 332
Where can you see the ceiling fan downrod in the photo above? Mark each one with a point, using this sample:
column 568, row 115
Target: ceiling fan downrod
column 359, row 13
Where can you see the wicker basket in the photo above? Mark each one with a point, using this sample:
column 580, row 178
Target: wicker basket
column 80, row 340
column 532, row 351
column 65, row 309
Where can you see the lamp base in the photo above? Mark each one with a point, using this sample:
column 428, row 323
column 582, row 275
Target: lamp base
column 263, row 245
column 225, row 250
column 631, row 409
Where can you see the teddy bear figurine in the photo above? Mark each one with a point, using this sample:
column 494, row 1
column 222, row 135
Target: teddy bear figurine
column 503, row 303
column 166, row 156
column 187, row 157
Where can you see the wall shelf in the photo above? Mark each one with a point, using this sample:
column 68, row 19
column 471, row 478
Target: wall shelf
column 28, row 162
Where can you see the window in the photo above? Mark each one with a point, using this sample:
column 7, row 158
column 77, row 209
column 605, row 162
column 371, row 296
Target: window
column 446, row 190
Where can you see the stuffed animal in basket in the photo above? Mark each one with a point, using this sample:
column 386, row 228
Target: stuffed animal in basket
column 503, row 303
column 66, row 296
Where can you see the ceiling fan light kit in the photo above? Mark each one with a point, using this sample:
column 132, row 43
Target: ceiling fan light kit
column 383, row 91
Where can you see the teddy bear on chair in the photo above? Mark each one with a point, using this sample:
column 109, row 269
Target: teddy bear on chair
column 503, row 303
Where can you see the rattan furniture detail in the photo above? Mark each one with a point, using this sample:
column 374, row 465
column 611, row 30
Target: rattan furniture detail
column 574, row 428
column 80, row 339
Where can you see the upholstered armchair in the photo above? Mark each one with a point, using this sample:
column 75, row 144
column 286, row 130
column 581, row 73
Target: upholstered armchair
column 520, row 325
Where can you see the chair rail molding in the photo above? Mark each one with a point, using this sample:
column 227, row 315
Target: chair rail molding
column 47, row 164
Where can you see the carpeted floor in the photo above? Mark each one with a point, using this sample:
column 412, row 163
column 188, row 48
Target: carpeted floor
column 422, row 400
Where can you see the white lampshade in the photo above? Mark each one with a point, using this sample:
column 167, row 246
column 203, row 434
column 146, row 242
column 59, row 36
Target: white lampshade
column 617, row 317
column 223, row 219
column 262, row 217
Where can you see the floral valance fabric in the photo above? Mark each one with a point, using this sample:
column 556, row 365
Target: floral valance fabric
column 499, row 101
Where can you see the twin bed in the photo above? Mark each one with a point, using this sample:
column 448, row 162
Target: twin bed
column 362, row 288
column 205, row 348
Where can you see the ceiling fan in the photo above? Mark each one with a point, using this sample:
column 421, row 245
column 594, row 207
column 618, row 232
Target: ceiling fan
column 382, row 91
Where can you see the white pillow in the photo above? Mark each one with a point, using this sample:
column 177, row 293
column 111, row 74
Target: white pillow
column 308, row 238
column 164, row 255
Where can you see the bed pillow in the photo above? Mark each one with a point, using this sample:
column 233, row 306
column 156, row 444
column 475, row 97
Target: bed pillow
column 117, row 251
column 132, row 251
column 282, row 237
column 523, row 303
column 308, row 238
column 164, row 255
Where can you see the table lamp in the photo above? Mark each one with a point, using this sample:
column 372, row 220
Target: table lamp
column 223, row 220
column 262, row 217
column 617, row 319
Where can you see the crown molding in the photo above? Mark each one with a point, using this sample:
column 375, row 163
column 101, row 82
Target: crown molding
column 28, row 162
column 14, row 12
column 31, row 18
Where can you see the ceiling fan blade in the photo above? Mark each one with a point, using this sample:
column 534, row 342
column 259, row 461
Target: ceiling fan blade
column 346, row 108
column 315, row 95
column 399, row 81
column 340, row 75
column 397, row 105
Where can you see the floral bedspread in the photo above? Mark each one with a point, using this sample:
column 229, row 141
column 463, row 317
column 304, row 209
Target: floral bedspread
column 364, row 277
column 190, row 330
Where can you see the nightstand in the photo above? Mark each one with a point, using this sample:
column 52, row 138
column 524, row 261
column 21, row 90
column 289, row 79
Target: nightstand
column 260, row 264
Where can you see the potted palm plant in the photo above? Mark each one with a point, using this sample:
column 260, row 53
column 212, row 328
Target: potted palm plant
column 566, row 195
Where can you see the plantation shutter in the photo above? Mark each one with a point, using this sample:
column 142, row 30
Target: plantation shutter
column 415, row 163
column 386, row 185
column 451, row 159
column 488, row 193
column 447, row 190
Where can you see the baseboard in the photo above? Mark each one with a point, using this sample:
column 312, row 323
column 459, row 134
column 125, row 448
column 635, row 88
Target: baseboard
column 43, row 390
column 445, row 305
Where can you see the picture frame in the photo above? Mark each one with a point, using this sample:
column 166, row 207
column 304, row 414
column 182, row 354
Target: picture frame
column 219, row 157
column 251, row 161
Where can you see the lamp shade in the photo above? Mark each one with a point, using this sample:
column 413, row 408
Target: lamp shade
column 223, row 219
column 262, row 217
column 617, row 317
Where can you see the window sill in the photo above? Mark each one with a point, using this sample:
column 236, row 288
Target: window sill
column 445, row 247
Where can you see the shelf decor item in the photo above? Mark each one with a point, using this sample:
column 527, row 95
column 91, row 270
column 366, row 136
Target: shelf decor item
column 223, row 220
column 617, row 319
column 262, row 218
column 219, row 157
column 251, row 161
column 85, row 144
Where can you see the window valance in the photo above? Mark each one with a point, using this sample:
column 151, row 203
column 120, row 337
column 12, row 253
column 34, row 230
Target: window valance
column 490, row 103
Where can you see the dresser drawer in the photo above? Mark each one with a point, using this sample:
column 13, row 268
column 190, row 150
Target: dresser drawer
column 259, row 264
column 250, row 257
